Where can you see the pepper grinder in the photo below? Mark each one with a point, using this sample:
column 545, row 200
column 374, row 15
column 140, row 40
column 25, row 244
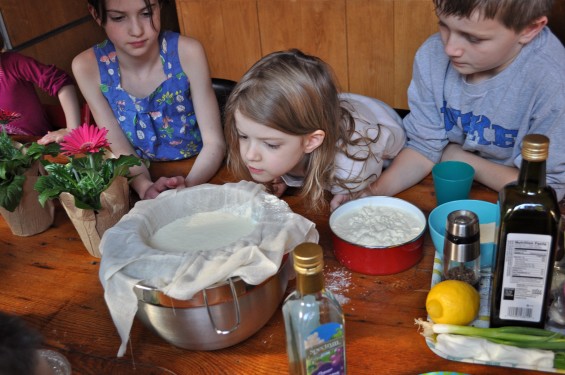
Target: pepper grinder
column 462, row 248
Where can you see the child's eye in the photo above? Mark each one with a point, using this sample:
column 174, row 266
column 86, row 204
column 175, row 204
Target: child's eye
column 241, row 136
column 148, row 12
column 474, row 40
column 116, row 18
column 272, row 146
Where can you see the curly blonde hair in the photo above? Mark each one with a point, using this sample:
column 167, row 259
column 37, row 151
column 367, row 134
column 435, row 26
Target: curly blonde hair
column 296, row 94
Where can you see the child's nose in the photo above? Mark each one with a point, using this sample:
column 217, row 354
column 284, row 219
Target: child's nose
column 135, row 27
column 452, row 47
column 252, row 153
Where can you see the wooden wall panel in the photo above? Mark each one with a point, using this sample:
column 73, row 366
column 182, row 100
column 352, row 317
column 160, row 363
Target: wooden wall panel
column 316, row 27
column 370, row 44
column 62, row 48
column 27, row 19
column 414, row 22
column 228, row 30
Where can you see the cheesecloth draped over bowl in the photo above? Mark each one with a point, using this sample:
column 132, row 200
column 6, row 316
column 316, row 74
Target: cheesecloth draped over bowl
column 128, row 258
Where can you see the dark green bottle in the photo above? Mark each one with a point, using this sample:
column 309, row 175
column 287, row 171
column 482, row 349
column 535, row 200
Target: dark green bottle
column 526, row 242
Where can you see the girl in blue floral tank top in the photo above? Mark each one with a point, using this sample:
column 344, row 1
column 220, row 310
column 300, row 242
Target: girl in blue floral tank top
column 147, row 87
column 161, row 126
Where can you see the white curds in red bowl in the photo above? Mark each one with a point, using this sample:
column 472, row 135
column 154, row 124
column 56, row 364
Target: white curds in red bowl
column 378, row 235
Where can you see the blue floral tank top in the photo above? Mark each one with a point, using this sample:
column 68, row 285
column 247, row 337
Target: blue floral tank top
column 163, row 125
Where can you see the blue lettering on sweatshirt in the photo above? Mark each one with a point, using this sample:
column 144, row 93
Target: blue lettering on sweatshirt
column 476, row 127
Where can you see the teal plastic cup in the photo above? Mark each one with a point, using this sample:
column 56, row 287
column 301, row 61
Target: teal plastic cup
column 452, row 181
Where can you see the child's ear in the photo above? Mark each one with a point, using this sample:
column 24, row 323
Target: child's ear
column 532, row 30
column 94, row 15
column 314, row 140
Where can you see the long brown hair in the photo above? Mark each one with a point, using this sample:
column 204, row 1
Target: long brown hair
column 296, row 94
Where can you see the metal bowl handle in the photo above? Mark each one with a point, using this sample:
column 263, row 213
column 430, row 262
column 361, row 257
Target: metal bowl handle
column 236, row 305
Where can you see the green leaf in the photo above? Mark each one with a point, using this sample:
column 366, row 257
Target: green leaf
column 15, row 160
column 52, row 149
column 88, row 205
column 3, row 171
column 123, row 164
column 11, row 193
column 34, row 151
column 48, row 188
column 83, row 177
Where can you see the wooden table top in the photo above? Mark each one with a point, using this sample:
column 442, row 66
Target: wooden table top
column 51, row 281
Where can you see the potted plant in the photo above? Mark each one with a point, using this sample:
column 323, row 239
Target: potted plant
column 92, row 186
column 19, row 170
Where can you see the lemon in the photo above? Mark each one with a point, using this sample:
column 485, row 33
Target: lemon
column 453, row 302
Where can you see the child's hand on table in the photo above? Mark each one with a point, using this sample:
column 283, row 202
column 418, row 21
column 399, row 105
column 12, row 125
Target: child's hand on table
column 162, row 184
column 54, row 136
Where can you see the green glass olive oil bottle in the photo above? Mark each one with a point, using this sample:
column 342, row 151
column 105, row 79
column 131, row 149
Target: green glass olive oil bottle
column 314, row 321
column 526, row 242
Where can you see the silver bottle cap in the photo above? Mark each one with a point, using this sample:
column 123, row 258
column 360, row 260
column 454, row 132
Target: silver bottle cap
column 462, row 236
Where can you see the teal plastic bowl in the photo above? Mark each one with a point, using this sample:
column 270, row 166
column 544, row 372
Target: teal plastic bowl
column 486, row 211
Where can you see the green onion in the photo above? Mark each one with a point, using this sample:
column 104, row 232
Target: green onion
column 521, row 337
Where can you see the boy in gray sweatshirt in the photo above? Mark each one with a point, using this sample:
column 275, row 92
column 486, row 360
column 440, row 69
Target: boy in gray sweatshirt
column 493, row 74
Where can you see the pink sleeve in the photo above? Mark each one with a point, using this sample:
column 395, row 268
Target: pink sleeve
column 48, row 78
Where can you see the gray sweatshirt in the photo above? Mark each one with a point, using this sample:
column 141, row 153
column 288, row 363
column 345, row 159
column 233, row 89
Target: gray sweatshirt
column 491, row 117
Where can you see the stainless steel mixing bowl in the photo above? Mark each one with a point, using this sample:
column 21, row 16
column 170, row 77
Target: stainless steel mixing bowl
column 220, row 316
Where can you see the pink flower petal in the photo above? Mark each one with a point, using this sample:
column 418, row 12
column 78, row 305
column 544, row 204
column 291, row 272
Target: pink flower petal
column 84, row 139
column 6, row 116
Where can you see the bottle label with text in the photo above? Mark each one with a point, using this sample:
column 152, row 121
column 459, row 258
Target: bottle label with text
column 524, row 278
column 324, row 350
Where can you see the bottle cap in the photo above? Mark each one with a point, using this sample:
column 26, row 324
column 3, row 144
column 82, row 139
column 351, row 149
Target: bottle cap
column 308, row 258
column 535, row 147
column 462, row 236
column 462, row 223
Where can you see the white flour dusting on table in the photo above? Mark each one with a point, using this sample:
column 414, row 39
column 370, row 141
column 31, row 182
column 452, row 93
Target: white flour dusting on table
column 337, row 282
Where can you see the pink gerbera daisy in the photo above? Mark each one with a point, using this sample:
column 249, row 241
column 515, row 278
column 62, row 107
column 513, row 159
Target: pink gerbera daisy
column 6, row 116
column 84, row 139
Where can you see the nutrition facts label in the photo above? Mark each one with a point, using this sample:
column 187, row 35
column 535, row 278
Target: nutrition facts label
column 525, row 273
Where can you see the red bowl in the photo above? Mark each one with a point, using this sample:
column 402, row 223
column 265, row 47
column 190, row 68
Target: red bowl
column 378, row 260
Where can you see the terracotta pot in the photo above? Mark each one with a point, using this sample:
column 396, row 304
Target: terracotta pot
column 30, row 217
column 91, row 224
